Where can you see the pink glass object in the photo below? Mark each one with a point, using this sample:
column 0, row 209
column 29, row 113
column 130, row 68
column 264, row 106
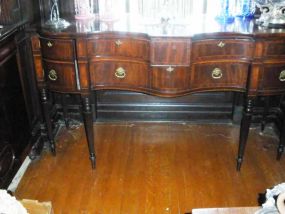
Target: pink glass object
column 84, row 9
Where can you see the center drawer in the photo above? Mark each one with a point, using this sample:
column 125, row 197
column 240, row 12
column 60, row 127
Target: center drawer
column 119, row 74
column 222, row 49
column 119, row 47
column 168, row 51
column 170, row 79
column 219, row 75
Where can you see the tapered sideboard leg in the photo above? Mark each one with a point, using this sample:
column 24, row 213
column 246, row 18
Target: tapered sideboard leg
column 281, row 146
column 244, row 130
column 47, row 120
column 88, row 124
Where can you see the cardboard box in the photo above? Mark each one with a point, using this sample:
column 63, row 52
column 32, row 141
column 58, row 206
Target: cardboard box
column 36, row 207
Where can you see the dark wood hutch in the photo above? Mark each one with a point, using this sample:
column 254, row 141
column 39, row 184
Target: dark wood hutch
column 19, row 104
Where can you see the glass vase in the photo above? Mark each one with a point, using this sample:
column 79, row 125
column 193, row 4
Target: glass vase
column 245, row 8
column 225, row 12
column 84, row 9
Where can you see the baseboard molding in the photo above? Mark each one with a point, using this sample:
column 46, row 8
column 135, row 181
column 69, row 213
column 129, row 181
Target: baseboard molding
column 19, row 175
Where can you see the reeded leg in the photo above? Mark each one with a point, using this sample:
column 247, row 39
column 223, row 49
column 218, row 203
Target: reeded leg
column 281, row 146
column 88, row 124
column 47, row 120
column 265, row 112
column 64, row 110
column 244, row 130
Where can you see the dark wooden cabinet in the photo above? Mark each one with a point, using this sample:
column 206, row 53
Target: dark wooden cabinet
column 19, row 107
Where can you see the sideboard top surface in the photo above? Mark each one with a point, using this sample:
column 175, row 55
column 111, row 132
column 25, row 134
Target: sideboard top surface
column 195, row 27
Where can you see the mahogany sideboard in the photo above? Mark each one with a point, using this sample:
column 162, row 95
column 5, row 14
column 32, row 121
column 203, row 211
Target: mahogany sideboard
column 166, row 60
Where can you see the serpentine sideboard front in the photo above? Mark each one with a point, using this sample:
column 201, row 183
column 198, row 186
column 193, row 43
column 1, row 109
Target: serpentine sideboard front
column 163, row 60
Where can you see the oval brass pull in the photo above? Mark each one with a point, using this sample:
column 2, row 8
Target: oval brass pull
column 52, row 75
column 170, row 69
column 282, row 76
column 49, row 44
column 221, row 44
column 118, row 42
column 120, row 73
column 217, row 73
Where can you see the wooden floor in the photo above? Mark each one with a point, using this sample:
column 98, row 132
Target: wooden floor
column 153, row 168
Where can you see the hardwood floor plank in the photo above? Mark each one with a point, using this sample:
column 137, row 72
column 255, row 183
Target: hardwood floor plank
column 154, row 168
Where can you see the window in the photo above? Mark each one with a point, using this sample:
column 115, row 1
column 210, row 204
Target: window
column 150, row 8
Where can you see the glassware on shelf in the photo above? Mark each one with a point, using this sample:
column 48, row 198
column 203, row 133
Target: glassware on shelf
column 84, row 9
column 226, row 11
column 272, row 13
column 109, row 10
column 172, row 11
column 55, row 20
column 245, row 8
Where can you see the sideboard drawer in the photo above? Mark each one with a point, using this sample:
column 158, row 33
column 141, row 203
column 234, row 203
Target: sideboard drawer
column 228, row 48
column 274, row 48
column 119, row 47
column 170, row 79
column 227, row 75
column 273, row 77
column 119, row 74
column 57, row 49
column 61, row 76
column 170, row 51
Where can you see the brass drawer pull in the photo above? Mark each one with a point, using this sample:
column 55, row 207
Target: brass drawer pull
column 221, row 44
column 49, row 44
column 52, row 75
column 118, row 43
column 120, row 73
column 170, row 69
column 282, row 76
column 217, row 73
